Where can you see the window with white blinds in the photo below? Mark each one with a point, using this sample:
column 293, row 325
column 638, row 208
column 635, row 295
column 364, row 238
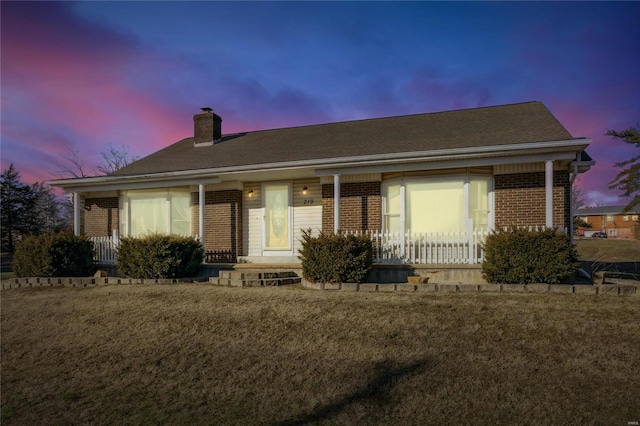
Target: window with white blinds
column 165, row 211
column 436, row 204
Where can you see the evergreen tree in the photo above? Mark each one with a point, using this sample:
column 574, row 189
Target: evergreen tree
column 16, row 202
column 28, row 210
column 628, row 179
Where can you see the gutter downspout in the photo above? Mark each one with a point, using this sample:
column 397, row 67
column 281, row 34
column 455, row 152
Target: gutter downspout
column 573, row 178
column 580, row 271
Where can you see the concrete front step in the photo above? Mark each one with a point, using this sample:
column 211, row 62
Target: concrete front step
column 256, row 274
column 255, row 278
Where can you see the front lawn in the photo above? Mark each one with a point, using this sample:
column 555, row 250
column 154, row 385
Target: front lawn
column 198, row 354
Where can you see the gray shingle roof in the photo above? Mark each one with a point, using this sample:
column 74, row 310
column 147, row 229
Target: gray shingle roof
column 469, row 128
column 604, row 210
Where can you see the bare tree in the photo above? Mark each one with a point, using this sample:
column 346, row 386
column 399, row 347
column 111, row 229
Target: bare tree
column 599, row 202
column 49, row 212
column 577, row 196
column 72, row 166
column 114, row 159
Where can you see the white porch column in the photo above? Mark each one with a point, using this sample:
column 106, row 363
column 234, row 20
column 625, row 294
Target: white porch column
column 201, row 213
column 403, row 231
column 76, row 213
column 468, row 221
column 336, row 203
column 548, row 187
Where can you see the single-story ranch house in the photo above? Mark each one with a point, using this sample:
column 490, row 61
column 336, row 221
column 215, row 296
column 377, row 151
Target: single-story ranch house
column 426, row 187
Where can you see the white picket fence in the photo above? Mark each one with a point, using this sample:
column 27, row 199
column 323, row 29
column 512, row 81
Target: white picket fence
column 389, row 247
column 105, row 249
column 432, row 248
column 440, row 248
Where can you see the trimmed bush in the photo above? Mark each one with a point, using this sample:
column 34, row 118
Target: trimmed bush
column 159, row 256
column 54, row 255
column 335, row 258
column 520, row 256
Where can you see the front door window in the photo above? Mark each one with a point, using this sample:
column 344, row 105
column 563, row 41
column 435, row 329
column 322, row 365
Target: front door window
column 276, row 217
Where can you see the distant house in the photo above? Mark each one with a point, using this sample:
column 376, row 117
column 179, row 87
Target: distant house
column 610, row 220
column 427, row 187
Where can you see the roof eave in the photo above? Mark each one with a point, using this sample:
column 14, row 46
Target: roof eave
column 529, row 152
column 157, row 180
column 327, row 165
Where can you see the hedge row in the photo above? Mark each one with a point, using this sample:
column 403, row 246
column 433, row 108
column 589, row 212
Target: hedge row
column 159, row 256
column 335, row 258
column 54, row 255
column 66, row 255
column 520, row 256
column 512, row 256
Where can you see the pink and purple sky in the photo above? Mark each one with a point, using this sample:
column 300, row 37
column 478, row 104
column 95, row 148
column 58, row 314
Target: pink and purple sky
column 89, row 74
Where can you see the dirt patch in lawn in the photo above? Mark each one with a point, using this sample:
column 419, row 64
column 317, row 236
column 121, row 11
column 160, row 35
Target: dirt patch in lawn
column 197, row 354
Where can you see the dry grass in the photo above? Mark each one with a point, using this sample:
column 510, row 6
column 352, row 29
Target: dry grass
column 608, row 250
column 619, row 258
column 197, row 354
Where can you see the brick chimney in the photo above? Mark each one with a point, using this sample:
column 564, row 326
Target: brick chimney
column 207, row 128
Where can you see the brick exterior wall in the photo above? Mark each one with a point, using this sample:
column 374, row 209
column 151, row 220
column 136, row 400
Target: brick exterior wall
column 599, row 222
column 101, row 216
column 623, row 228
column 222, row 222
column 360, row 206
column 520, row 199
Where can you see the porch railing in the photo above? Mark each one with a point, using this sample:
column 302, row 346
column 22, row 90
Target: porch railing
column 105, row 249
column 434, row 248
column 389, row 247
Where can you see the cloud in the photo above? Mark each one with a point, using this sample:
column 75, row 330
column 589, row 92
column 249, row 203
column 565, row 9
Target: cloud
column 73, row 83
column 249, row 105
column 66, row 75
column 593, row 121
column 83, row 75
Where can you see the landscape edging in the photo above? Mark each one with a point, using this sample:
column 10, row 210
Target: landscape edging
column 611, row 289
column 88, row 281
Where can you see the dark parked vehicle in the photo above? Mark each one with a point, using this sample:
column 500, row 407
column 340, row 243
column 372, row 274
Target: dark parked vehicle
column 599, row 235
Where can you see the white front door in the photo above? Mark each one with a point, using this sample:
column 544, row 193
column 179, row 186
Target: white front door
column 277, row 223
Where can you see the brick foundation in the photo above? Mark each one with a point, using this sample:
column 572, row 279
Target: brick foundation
column 360, row 206
column 101, row 216
column 520, row 199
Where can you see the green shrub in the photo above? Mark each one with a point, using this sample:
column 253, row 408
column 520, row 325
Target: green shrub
column 335, row 258
column 31, row 258
column 520, row 256
column 159, row 256
column 54, row 255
